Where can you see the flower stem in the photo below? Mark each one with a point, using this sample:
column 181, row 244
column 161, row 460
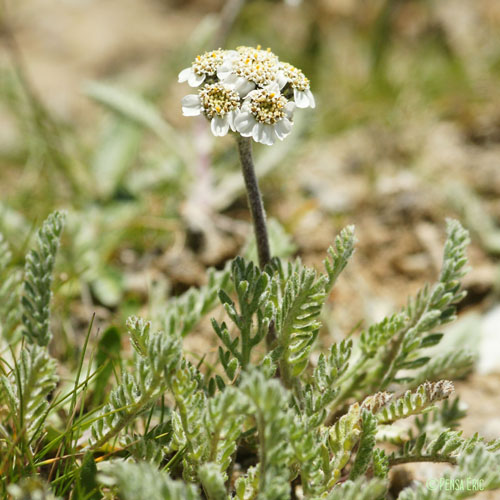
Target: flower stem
column 406, row 459
column 254, row 200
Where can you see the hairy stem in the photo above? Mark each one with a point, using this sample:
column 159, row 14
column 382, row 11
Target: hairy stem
column 422, row 458
column 254, row 200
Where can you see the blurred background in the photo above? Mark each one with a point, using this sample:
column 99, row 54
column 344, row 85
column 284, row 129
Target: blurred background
column 406, row 133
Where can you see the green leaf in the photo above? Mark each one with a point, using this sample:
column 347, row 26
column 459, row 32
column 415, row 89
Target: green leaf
column 366, row 445
column 297, row 323
column 431, row 340
column 448, row 365
column 115, row 156
column 87, row 479
column 28, row 389
column 135, row 108
column 213, row 482
column 10, row 290
column 416, row 363
column 339, row 256
column 108, row 287
column 38, row 281
column 360, row 489
column 108, row 351
column 143, row 480
column 412, row 403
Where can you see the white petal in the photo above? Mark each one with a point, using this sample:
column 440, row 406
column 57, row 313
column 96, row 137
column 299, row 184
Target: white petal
column 196, row 80
column 269, row 135
column 257, row 131
column 231, row 79
column 231, row 116
column 185, row 74
column 273, row 87
column 312, row 102
column 251, row 94
column 281, row 79
column 219, row 125
column 283, row 128
column 243, row 86
column 263, row 133
column 244, row 123
column 231, row 54
column 191, row 105
column 289, row 109
column 224, row 71
column 301, row 99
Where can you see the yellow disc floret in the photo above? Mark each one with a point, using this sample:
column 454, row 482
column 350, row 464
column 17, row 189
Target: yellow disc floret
column 267, row 107
column 218, row 100
column 208, row 63
column 256, row 65
column 295, row 77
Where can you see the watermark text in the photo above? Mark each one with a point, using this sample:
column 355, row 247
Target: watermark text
column 455, row 484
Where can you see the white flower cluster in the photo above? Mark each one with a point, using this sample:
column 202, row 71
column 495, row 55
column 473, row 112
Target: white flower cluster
column 248, row 91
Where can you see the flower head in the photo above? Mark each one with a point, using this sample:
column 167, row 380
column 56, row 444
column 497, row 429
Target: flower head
column 265, row 115
column 249, row 68
column 217, row 102
column 300, row 84
column 247, row 90
column 202, row 67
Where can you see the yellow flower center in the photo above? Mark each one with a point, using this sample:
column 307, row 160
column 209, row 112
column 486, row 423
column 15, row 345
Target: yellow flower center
column 256, row 65
column 295, row 76
column 218, row 100
column 208, row 63
column 267, row 107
